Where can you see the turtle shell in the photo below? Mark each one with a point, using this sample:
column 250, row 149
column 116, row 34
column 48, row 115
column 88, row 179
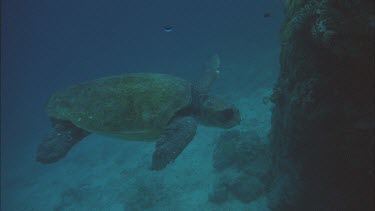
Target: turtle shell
column 129, row 106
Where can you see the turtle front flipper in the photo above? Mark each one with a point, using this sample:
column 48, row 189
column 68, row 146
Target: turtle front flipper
column 57, row 144
column 176, row 137
column 210, row 74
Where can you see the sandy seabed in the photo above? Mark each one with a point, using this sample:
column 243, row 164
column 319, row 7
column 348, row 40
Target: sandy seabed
column 101, row 173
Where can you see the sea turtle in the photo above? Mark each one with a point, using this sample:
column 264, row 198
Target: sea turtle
column 136, row 106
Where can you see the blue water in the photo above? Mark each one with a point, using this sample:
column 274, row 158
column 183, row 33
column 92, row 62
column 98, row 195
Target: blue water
column 49, row 45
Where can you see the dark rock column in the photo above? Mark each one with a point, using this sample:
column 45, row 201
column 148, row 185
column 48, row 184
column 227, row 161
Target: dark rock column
column 322, row 135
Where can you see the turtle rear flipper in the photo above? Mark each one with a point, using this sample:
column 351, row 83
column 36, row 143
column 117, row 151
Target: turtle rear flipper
column 176, row 137
column 56, row 145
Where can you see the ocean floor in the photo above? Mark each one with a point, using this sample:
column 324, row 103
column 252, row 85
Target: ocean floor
column 102, row 173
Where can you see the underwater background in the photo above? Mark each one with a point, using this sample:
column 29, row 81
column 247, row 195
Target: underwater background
column 301, row 73
column 47, row 46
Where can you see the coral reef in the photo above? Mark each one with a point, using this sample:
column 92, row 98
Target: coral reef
column 242, row 165
column 232, row 184
column 231, row 150
column 328, row 25
column 299, row 14
column 323, row 121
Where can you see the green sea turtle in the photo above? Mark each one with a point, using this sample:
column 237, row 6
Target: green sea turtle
column 136, row 106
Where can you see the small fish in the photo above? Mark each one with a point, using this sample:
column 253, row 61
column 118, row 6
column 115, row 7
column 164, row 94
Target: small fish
column 168, row 28
column 267, row 15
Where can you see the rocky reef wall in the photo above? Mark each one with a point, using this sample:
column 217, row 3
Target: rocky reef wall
column 322, row 135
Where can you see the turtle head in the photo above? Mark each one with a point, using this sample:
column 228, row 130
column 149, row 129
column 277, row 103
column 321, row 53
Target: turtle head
column 216, row 112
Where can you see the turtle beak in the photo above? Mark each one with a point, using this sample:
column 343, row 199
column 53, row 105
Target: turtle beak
column 232, row 117
column 218, row 113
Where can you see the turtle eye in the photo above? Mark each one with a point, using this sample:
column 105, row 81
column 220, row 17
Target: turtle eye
column 227, row 114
